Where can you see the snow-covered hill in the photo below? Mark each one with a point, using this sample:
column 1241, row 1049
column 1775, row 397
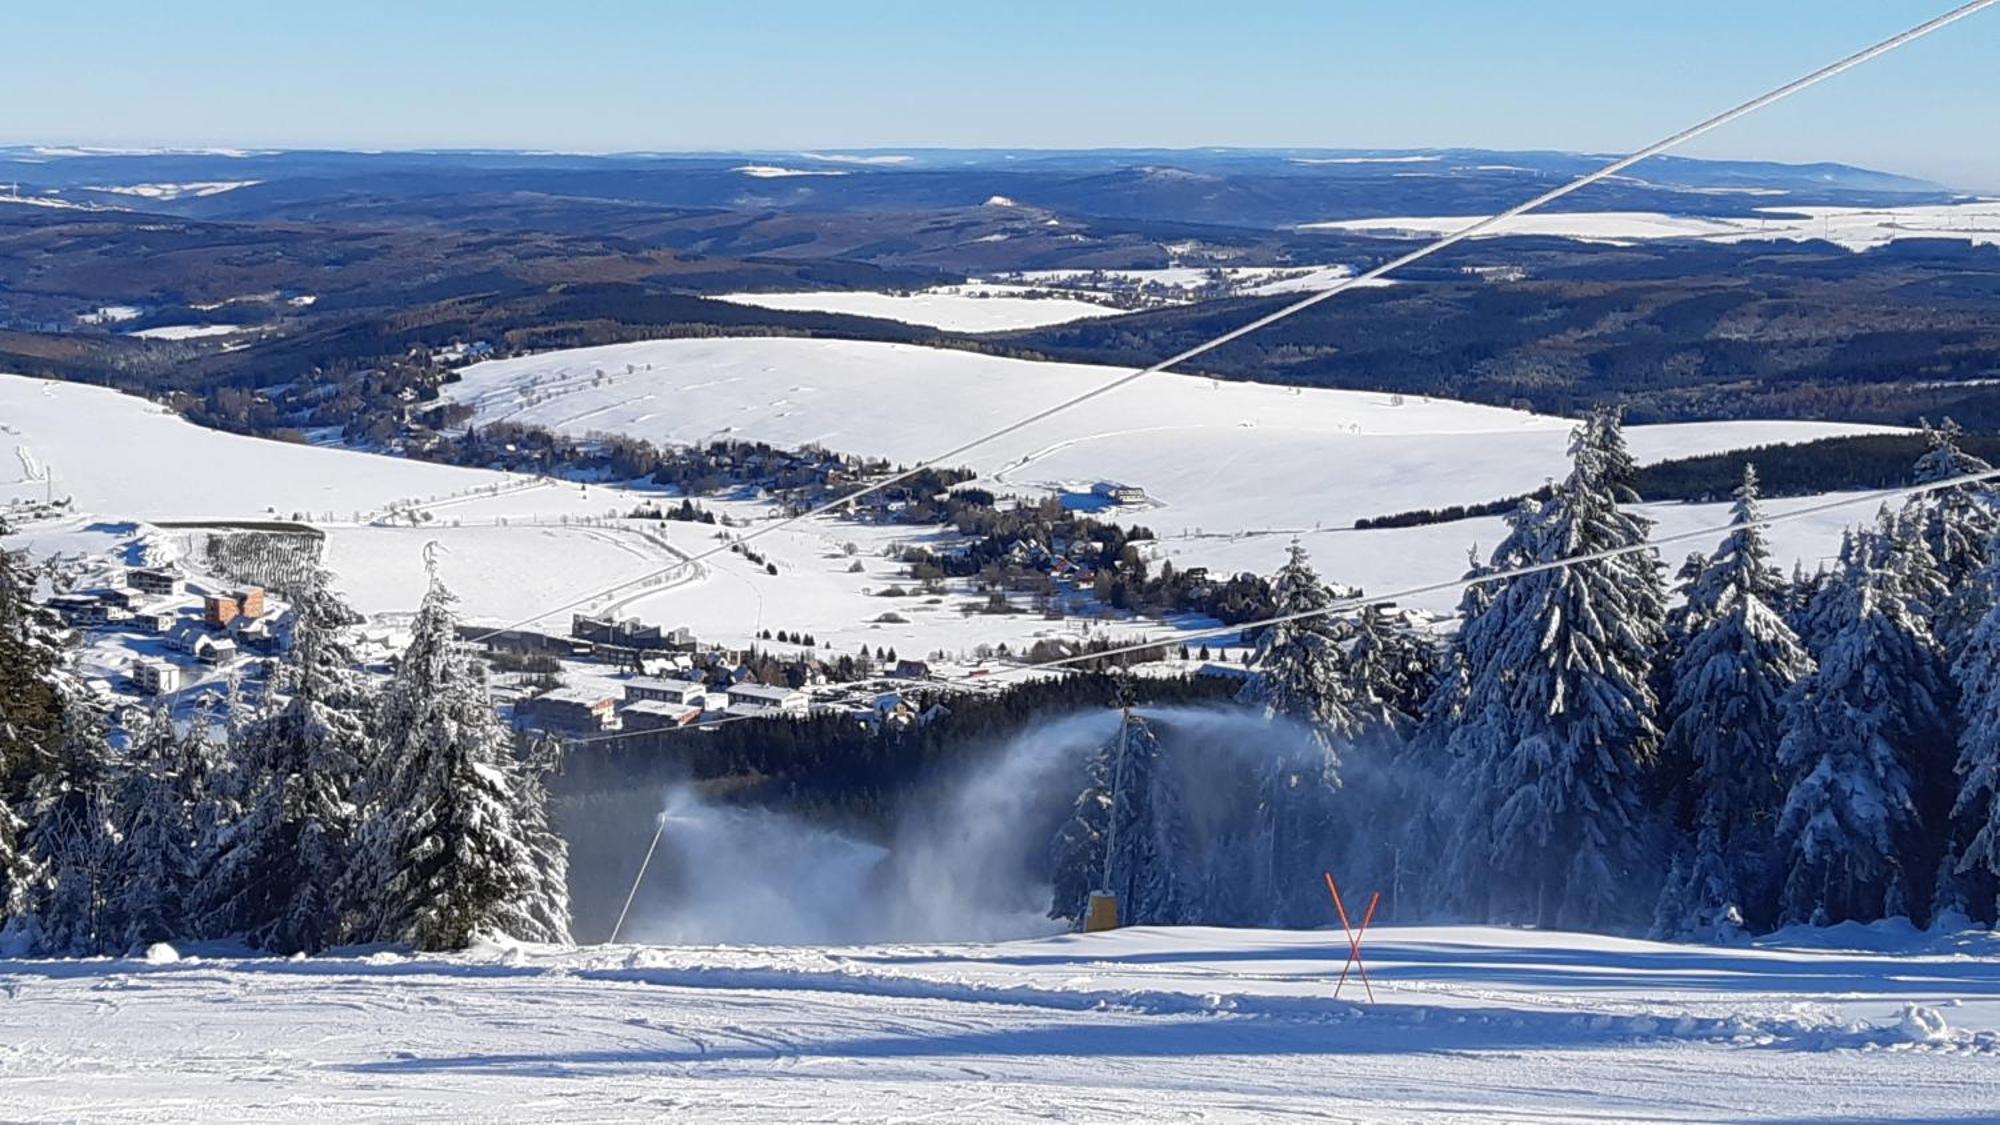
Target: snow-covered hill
column 1233, row 472
column 1218, row 460
column 1468, row 1023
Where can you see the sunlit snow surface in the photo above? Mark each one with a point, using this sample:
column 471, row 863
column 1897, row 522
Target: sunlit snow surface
column 1233, row 472
column 1469, row 1023
column 957, row 308
column 1856, row 228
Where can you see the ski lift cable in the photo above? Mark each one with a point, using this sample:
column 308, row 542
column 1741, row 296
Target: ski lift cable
column 1445, row 242
column 1349, row 605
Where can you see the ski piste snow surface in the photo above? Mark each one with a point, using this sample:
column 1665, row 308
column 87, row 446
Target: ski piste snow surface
column 1145, row 1024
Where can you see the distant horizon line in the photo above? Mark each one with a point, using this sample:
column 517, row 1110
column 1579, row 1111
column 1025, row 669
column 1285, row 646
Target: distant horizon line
column 846, row 154
column 892, row 157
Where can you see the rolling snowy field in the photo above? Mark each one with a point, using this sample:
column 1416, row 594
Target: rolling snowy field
column 1857, row 228
column 958, row 308
column 1469, row 1023
column 1232, row 470
column 1207, row 453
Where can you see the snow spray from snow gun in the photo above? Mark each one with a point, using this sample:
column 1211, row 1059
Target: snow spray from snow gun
column 964, row 860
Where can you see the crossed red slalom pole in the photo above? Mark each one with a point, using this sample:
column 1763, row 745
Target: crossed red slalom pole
column 1354, row 937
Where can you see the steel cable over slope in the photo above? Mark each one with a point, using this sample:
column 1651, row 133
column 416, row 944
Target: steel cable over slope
column 1470, row 230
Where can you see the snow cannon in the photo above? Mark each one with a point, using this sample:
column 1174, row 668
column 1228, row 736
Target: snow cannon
column 1103, row 914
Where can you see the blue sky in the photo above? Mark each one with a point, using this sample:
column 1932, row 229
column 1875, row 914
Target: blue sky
column 621, row 75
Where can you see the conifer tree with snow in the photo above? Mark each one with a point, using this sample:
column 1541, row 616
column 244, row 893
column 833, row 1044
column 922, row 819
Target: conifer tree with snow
column 1969, row 877
column 1728, row 690
column 1430, row 810
column 1393, row 671
column 1557, row 727
column 542, row 912
column 276, row 878
column 1849, row 835
column 31, row 701
column 1128, row 835
column 1304, row 681
column 1076, row 854
column 1958, row 524
column 211, row 778
column 155, row 864
column 72, row 839
column 456, row 827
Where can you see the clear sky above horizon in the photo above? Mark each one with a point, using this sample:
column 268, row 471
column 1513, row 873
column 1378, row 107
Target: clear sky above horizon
column 619, row 75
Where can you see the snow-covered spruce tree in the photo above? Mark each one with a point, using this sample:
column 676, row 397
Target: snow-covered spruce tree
column 30, row 723
column 1958, row 525
column 1131, row 815
column 1393, row 672
column 18, row 879
column 541, row 913
column 214, row 782
column 1557, row 727
column 1076, row 854
column 1907, row 559
column 1848, row 838
column 1604, row 431
column 1303, row 680
column 72, row 838
column 455, row 825
column 1431, row 813
column 1969, row 877
column 154, row 867
column 281, row 863
column 1726, row 706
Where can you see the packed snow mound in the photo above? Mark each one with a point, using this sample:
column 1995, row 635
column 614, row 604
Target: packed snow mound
column 160, row 953
column 1924, row 1025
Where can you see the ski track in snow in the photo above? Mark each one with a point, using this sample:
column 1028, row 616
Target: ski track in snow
column 1145, row 1024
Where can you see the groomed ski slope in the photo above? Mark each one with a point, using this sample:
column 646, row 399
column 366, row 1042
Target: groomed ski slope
column 1471, row 1023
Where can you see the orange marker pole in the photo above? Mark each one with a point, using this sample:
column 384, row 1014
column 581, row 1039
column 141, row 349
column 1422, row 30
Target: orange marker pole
column 1354, row 949
column 1341, row 907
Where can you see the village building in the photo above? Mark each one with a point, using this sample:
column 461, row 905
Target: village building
column 157, row 621
column 658, row 714
column 156, row 677
column 163, row 580
column 759, row 700
column 215, row 651
column 575, row 710
column 1118, row 493
column 678, row 692
column 218, row 610
column 80, row 611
